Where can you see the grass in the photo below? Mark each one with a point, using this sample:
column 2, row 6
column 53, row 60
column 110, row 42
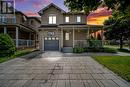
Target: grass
column 116, row 46
column 118, row 64
column 17, row 54
column 125, row 49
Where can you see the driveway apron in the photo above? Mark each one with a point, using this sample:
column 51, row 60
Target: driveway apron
column 55, row 69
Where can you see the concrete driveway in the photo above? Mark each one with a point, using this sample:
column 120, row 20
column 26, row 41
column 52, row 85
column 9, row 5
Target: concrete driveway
column 55, row 69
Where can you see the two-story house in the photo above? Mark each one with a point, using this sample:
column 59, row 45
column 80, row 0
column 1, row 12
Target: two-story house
column 61, row 31
column 21, row 28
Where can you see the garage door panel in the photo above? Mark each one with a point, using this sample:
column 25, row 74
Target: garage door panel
column 51, row 45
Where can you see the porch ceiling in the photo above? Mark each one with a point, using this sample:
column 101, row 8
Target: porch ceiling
column 22, row 27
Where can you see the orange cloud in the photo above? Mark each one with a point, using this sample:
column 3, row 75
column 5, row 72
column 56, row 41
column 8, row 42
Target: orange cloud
column 32, row 14
column 99, row 16
column 97, row 20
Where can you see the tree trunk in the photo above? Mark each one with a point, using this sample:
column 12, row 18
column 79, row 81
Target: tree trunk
column 121, row 42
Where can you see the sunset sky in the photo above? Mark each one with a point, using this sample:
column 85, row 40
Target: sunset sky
column 98, row 16
column 31, row 7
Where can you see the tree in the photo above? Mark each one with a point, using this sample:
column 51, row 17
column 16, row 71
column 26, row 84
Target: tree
column 82, row 5
column 117, row 29
column 7, row 47
column 120, row 5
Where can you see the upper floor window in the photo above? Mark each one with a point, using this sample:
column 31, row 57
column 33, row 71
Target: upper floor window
column 67, row 19
column 52, row 19
column 4, row 19
column 78, row 19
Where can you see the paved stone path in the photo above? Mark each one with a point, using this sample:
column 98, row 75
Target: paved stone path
column 54, row 69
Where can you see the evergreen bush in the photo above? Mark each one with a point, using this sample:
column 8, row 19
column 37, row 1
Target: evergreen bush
column 7, row 46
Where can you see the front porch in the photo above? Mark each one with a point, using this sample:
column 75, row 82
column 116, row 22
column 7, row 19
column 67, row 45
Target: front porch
column 80, row 37
column 22, row 36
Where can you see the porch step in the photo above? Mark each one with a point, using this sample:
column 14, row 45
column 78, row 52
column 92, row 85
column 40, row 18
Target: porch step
column 67, row 49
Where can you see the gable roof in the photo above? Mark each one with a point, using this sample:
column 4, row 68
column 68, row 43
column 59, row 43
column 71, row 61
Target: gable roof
column 51, row 4
column 37, row 19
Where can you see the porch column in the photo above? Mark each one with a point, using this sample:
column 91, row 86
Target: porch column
column 61, row 38
column 88, row 36
column 95, row 37
column 73, row 37
column 17, row 37
column 5, row 30
column 42, row 39
column 30, row 36
column 29, row 40
column 102, row 36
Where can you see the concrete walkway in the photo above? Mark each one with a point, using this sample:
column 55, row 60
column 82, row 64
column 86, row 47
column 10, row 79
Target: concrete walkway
column 55, row 69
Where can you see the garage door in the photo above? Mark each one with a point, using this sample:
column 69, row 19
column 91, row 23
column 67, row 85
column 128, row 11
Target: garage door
column 51, row 45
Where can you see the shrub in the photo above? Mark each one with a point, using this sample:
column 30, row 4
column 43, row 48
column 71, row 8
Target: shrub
column 7, row 46
column 105, row 50
column 110, row 50
column 78, row 50
column 124, row 50
column 93, row 49
column 95, row 43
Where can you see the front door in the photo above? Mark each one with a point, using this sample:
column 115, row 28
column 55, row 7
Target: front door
column 68, row 38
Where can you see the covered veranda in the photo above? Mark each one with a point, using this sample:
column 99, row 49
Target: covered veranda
column 23, row 37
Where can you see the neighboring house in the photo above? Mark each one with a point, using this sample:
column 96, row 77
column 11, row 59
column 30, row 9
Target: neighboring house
column 61, row 31
column 21, row 28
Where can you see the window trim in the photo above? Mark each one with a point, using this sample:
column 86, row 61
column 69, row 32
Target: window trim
column 52, row 17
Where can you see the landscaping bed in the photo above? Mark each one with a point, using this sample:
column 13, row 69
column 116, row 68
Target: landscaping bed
column 17, row 54
column 118, row 64
column 89, row 49
column 124, row 50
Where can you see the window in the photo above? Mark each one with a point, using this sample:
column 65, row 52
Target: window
column 57, row 38
column 52, row 19
column 78, row 19
column 67, row 36
column 66, row 19
column 4, row 19
column 45, row 38
column 49, row 38
column 5, row 6
column 53, row 38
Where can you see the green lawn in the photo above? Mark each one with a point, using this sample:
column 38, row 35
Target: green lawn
column 116, row 46
column 118, row 64
column 17, row 54
column 125, row 49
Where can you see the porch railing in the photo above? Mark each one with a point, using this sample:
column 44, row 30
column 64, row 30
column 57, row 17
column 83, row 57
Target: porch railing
column 5, row 20
column 88, row 43
column 25, row 43
column 80, row 43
